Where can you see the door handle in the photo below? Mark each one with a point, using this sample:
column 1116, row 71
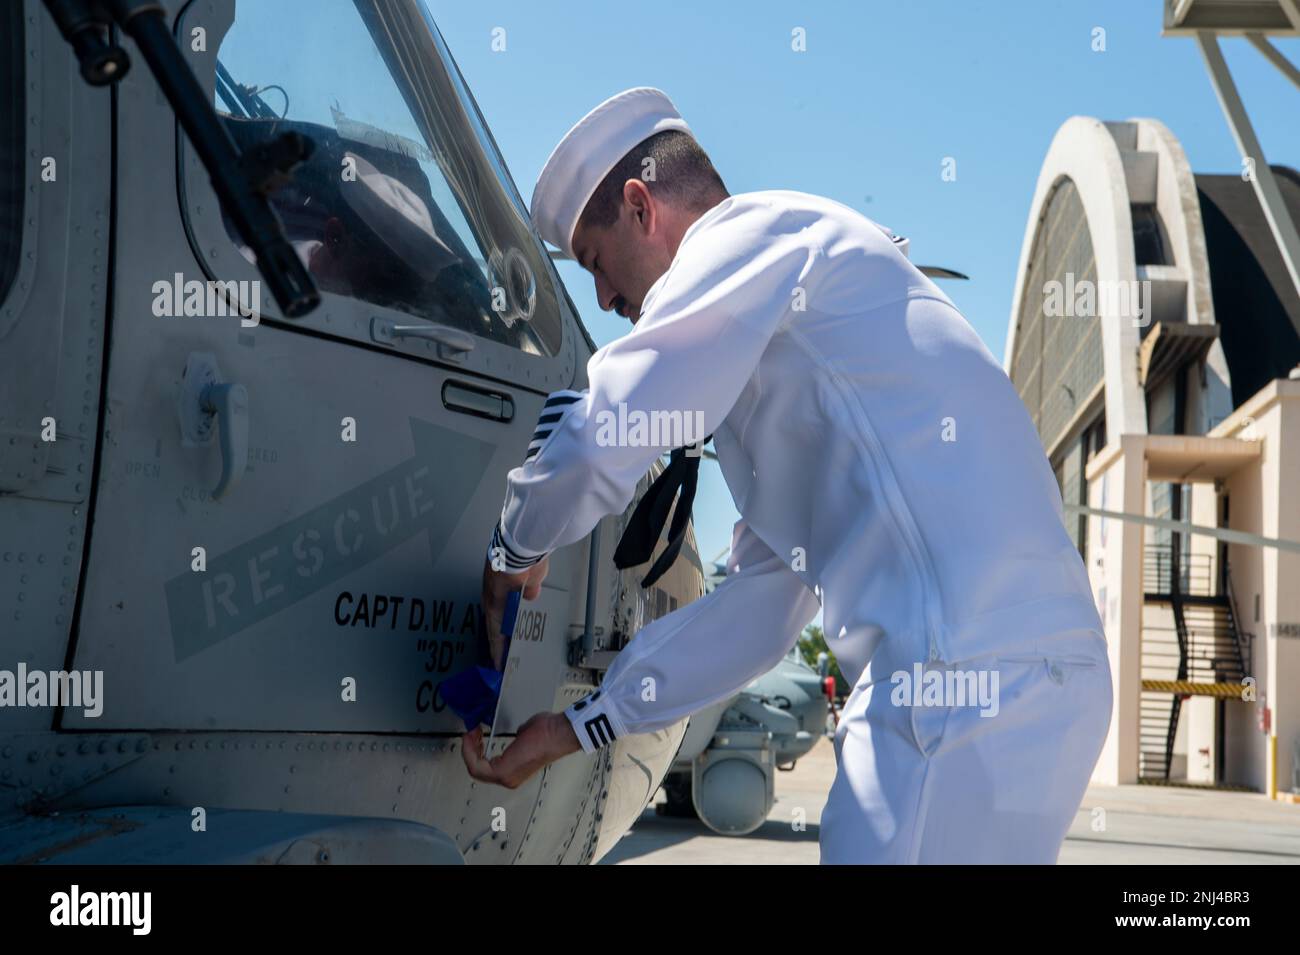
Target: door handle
column 229, row 405
column 481, row 402
column 207, row 405
column 452, row 342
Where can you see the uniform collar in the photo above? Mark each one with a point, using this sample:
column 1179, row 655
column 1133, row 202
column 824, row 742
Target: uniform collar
column 694, row 226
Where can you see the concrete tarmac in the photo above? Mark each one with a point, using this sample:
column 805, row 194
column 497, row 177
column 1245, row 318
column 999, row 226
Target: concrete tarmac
column 1116, row 825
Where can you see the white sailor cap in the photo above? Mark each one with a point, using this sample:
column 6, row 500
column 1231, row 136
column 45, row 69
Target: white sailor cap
column 589, row 151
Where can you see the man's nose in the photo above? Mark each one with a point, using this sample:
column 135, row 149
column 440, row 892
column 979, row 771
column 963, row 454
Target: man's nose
column 606, row 295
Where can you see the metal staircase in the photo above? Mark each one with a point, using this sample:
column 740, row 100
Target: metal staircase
column 1192, row 645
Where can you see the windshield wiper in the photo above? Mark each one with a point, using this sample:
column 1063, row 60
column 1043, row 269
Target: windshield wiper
column 247, row 99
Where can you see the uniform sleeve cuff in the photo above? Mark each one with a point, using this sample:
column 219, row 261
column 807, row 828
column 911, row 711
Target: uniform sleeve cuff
column 594, row 722
column 504, row 554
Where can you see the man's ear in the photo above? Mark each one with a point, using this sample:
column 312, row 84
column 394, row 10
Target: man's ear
column 641, row 205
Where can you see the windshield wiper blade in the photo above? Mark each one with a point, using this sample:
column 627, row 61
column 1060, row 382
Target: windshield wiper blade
column 249, row 100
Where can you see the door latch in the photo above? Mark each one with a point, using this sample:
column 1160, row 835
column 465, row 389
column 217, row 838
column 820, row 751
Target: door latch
column 209, row 406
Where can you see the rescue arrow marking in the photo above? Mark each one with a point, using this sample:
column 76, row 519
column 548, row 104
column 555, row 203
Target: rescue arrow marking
column 289, row 563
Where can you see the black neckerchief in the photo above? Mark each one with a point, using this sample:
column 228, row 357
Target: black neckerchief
column 647, row 522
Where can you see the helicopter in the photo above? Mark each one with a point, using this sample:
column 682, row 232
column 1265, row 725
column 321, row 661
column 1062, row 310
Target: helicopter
column 273, row 337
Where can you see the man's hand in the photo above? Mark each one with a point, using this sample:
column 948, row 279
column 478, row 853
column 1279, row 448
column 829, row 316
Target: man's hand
column 497, row 585
column 543, row 738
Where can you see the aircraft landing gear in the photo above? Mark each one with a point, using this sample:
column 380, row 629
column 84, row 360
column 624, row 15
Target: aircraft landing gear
column 677, row 789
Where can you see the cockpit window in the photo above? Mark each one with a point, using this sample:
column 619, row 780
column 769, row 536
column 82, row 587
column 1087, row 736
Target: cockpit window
column 403, row 202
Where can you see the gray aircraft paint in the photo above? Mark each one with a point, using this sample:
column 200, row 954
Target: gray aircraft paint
column 326, row 543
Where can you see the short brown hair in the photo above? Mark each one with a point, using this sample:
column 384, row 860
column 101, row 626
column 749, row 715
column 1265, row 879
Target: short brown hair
column 683, row 173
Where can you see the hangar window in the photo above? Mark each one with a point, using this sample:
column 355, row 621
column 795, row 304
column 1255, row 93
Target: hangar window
column 1057, row 361
column 403, row 203
column 1150, row 241
column 13, row 109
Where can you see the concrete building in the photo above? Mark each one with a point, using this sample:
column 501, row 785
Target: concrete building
column 1153, row 337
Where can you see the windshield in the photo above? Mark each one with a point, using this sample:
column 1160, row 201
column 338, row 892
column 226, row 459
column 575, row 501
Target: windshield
column 404, row 202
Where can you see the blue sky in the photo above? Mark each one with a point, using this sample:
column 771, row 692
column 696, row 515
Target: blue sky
column 884, row 92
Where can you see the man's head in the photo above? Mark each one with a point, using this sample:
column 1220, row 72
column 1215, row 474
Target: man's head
column 621, row 189
column 629, row 231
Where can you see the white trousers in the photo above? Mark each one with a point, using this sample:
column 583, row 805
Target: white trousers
column 943, row 784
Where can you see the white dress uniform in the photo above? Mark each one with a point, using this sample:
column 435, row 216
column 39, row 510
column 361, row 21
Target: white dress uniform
column 880, row 458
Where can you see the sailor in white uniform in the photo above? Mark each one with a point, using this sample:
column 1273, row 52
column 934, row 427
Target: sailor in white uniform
column 880, row 460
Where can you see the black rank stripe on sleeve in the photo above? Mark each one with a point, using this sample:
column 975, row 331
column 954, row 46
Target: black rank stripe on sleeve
column 599, row 730
column 557, row 405
column 512, row 559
